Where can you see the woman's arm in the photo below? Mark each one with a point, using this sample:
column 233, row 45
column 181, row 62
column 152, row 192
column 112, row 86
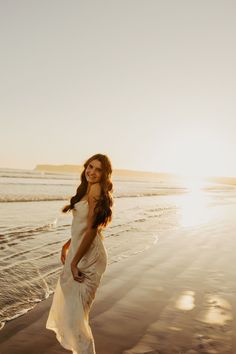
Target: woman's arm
column 67, row 244
column 64, row 251
column 90, row 233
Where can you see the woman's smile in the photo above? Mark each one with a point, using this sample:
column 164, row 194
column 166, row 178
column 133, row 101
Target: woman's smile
column 94, row 171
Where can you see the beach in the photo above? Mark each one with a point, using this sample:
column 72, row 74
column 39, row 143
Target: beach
column 169, row 287
column 176, row 297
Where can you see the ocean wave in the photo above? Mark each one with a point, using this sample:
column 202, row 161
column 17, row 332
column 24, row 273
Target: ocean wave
column 30, row 198
column 47, row 198
column 11, row 173
column 36, row 183
column 28, row 251
column 24, row 232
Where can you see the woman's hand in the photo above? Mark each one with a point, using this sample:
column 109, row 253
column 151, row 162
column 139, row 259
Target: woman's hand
column 77, row 274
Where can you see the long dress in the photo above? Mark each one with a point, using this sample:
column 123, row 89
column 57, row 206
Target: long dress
column 72, row 301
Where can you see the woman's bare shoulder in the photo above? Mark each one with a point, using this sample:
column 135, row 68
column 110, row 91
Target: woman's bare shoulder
column 95, row 190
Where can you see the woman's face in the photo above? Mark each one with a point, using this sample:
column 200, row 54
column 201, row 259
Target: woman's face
column 93, row 172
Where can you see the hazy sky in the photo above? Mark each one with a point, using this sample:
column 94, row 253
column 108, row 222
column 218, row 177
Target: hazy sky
column 149, row 83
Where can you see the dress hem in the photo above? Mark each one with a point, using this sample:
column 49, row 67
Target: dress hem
column 60, row 340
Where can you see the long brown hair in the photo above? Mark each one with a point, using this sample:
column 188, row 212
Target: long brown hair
column 103, row 211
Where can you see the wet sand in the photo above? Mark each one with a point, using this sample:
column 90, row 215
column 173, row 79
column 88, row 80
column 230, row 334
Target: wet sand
column 179, row 296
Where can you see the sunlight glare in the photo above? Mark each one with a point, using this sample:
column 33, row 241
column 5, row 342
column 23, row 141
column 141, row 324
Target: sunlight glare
column 185, row 301
column 218, row 312
column 193, row 206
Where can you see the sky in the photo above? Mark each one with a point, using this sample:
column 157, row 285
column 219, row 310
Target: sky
column 149, row 83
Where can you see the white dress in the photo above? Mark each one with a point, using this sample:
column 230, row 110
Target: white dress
column 69, row 312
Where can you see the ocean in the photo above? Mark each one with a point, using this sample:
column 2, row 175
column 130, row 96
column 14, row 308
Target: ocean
column 33, row 228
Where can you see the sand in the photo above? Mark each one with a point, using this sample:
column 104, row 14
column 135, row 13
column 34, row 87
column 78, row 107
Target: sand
column 179, row 296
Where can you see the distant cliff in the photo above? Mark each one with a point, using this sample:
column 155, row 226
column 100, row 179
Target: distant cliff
column 116, row 172
column 59, row 168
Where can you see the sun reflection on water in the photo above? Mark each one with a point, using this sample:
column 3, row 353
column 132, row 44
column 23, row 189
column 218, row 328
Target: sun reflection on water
column 185, row 301
column 194, row 206
column 219, row 311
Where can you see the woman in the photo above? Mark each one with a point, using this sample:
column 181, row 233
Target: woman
column 84, row 257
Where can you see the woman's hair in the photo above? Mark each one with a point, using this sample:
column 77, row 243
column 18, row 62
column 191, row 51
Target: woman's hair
column 103, row 211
